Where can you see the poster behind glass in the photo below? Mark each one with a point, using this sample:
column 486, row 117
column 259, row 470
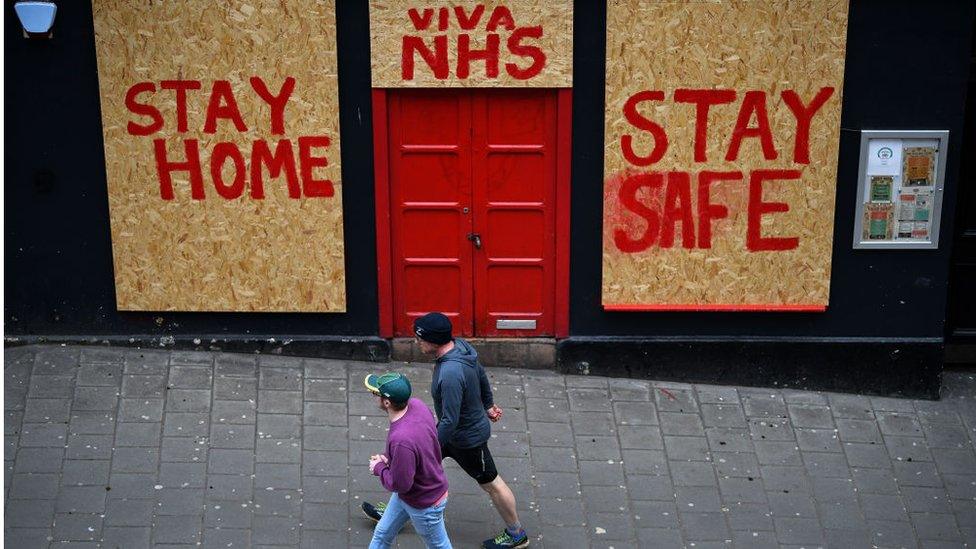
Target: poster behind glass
column 900, row 189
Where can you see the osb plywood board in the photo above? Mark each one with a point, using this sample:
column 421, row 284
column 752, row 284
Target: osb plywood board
column 494, row 43
column 246, row 86
column 667, row 242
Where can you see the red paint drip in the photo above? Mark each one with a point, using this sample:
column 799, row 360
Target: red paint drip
column 668, row 393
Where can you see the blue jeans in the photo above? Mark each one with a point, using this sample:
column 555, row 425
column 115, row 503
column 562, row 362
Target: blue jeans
column 429, row 524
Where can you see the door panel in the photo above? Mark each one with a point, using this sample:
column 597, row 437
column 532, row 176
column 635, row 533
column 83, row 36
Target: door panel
column 435, row 230
column 465, row 163
column 513, row 178
column 433, row 117
column 515, row 234
column 514, row 205
column 520, row 298
column 430, row 166
column 518, row 117
column 431, row 176
column 446, row 279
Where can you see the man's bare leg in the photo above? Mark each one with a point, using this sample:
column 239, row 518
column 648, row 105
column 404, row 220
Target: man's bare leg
column 504, row 500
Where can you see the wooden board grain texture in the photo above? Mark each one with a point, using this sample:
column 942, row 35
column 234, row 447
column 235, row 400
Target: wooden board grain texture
column 274, row 254
column 739, row 45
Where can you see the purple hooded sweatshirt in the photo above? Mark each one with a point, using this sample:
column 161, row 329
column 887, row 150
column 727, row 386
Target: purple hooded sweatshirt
column 414, row 472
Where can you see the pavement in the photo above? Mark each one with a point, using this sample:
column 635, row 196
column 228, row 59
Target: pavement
column 132, row 448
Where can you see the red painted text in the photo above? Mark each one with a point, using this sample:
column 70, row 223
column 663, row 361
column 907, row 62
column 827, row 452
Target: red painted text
column 662, row 202
column 230, row 168
column 433, row 50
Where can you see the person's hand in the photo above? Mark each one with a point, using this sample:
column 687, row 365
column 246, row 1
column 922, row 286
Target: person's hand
column 494, row 413
column 374, row 460
column 385, row 459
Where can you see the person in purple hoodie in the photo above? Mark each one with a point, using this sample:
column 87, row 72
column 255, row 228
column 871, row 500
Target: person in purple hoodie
column 465, row 409
column 410, row 467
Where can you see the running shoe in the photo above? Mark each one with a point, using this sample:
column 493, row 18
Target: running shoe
column 375, row 512
column 507, row 540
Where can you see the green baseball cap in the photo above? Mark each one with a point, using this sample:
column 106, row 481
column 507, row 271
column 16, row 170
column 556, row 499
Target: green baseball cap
column 394, row 386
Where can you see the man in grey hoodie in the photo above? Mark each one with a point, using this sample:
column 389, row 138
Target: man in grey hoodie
column 464, row 406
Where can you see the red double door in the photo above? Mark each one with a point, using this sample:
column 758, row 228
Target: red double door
column 472, row 200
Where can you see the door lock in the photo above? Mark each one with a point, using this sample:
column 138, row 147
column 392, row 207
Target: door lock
column 476, row 239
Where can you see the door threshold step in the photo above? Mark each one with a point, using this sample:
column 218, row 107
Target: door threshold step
column 533, row 353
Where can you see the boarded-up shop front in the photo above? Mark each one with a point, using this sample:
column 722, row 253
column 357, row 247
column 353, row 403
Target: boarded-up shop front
column 649, row 188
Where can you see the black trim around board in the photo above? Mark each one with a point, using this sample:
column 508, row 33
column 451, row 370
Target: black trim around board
column 888, row 367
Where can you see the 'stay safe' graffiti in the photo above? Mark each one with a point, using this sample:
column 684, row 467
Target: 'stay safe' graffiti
column 722, row 125
column 662, row 200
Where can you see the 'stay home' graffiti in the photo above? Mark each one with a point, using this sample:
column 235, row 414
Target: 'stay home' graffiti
column 229, row 171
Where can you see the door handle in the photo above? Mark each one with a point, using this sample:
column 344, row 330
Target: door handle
column 476, row 239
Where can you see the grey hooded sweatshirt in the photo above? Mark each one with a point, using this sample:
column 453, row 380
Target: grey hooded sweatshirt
column 461, row 395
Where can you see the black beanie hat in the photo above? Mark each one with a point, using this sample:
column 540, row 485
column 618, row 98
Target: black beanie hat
column 433, row 328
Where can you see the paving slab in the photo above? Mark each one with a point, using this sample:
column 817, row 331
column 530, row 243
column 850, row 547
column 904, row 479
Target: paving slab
column 114, row 447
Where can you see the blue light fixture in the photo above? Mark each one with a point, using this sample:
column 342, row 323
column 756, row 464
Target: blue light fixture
column 36, row 16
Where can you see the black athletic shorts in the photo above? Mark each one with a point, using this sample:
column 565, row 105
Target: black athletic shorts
column 476, row 462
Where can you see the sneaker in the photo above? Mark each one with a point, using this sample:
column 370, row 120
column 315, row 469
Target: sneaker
column 507, row 540
column 375, row 512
